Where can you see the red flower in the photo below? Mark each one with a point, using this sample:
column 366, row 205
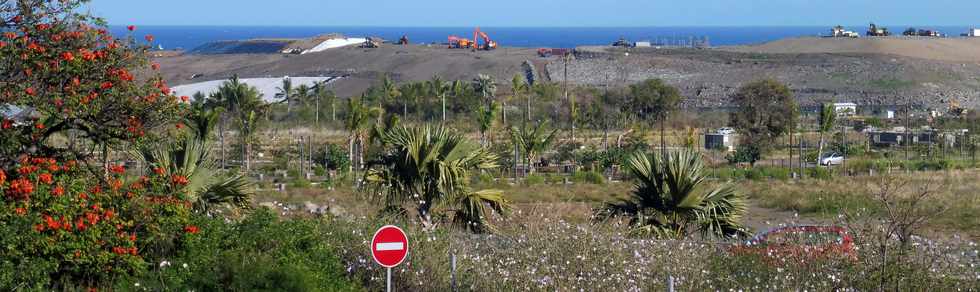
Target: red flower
column 20, row 211
column 68, row 56
column 149, row 38
column 39, row 126
column 131, row 27
column 155, row 66
column 46, row 178
column 180, row 126
column 179, row 180
column 7, row 124
column 2, row 45
column 20, row 188
column 3, row 177
column 117, row 168
column 106, row 85
column 10, row 35
column 30, row 91
column 57, row 191
column 158, row 171
column 191, row 229
column 184, row 98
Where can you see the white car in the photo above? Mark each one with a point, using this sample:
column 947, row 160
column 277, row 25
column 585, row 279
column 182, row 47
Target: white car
column 725, row 131
column 832, row 159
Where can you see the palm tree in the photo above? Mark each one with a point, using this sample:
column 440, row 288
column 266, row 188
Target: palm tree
column 189, row 156
column 827, row 119
column 521, row 87
column 286, row 93
column 429, row 168
column 671, row 200
column 357, row 123
column 320, row 91
column 486, row 86
column 485, row 117
column 439, row 88
column 389, row 89
column 244, row 102
column 532, row 141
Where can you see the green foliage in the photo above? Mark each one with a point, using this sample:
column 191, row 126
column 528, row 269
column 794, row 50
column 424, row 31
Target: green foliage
column 588, row 177
column 766, row 110
column 670, row 201
column 430, row 168
column 534, row 179
column 260, row 253
column 748, row 153
column 334, row 158
column 652, row 99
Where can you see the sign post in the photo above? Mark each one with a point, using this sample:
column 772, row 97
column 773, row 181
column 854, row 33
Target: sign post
column 389, row 247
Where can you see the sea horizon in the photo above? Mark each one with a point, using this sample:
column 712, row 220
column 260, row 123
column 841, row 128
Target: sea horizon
column 188, row 37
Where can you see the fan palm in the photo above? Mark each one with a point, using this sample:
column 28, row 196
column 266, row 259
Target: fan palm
column 532, row 141
column 208, row 187
column 671, row 200
column 428, row 168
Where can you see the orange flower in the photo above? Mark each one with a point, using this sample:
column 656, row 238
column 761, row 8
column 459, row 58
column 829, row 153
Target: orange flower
column 67, row 56
column 39, row 126
column 158, row 171
column 117, row 168
column 46, row 178
column 20, row 211
column 106, row 85
column 179, row 180
column 20, row 188
column 184, row 98
column 57, row 191
column 191, row 229
column 3, row 177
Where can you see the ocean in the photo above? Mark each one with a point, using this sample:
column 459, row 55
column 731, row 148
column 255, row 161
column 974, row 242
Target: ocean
column 189, row 37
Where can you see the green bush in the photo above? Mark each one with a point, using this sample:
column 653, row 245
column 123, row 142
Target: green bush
column 819, row 173
column 755, row 174
column 534, row 179
column 588, row 177
column 300, row 183
column 260, row 253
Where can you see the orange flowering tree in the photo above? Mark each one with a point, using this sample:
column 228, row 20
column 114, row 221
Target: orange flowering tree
column 64, row 223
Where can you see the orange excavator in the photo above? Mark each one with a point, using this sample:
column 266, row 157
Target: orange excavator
column 488, row 44
column 456, row 42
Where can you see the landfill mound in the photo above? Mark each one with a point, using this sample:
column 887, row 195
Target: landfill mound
column 929, row 48
column 241, row 47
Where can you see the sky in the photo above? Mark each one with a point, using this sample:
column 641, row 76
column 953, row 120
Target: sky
column 538, row 13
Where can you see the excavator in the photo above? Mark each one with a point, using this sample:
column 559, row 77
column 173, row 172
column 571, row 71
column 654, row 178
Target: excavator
column 488, row 44
column 456, row 42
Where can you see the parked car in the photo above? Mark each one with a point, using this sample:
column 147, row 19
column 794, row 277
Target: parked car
column 725, row 131
column 799, row 244
column 832, row 158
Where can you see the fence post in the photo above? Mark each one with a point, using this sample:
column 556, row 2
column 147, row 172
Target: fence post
column 452, row 275
column 670, row 283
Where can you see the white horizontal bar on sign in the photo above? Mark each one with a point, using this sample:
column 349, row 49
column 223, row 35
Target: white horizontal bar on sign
column 383, row 246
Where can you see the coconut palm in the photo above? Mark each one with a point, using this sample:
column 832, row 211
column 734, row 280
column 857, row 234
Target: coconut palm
column 389, row 90
column 244, row 103
column 285, row 92
column 671, row 199
column 190, row 156
column 521, row 87
column 532, row 141
column 440, row 88
column 429, row 168
column 357, row 124
column 827, row 119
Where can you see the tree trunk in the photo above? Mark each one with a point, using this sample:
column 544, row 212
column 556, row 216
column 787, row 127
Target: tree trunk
column 529, row 107
column 820, row 149
column 443, row 107
column 317, row 120
column 503, row 111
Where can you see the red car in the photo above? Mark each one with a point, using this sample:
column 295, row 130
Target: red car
column 799, row 244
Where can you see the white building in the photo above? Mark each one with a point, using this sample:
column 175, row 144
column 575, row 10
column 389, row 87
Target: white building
column 973, row 32
column 845, row 108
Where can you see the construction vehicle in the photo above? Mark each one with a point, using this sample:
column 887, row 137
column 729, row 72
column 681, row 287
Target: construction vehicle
column 955, row 109
column 488, row 44
column 875, row 30
column 404, row 40
column 622, row 42
column 840, row 32
column 456, row 42
column 372, row 43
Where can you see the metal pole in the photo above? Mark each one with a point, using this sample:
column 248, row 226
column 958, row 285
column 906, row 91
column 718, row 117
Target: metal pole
column 389, row 280
column 453, row 274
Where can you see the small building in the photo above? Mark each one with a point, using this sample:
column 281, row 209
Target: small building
column 718, row 141
column 643, row 44
column 845, row 109
column 973, row 32
column 888, row 138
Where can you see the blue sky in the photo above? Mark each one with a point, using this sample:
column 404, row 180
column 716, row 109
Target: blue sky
column 428, row 13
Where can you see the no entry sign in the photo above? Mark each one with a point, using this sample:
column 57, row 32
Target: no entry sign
column 389, row 246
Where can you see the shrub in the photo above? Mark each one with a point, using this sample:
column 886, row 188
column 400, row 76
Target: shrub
column 588, row 177
column 534, row 179
column 261, row 252
column 819, row 173
column 334, row 158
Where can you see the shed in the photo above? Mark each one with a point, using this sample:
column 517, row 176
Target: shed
column 716, row 141
column 845, row 108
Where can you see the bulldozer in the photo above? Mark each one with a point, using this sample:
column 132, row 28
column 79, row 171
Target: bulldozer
column 875, row 30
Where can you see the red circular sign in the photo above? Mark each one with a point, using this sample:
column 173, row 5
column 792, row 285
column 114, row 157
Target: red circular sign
column 389, row 246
